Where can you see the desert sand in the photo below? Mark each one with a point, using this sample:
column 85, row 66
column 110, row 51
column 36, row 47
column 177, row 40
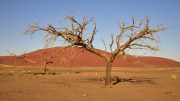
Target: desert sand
column 83, row 84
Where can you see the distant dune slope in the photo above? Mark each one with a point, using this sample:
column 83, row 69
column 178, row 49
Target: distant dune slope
column 77, row 57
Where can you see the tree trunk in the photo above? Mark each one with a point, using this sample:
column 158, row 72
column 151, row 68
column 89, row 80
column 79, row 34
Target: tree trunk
column 108, row 74
column 45, row 69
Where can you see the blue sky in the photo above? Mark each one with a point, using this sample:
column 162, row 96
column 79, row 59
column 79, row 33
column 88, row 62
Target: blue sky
column 15, row 15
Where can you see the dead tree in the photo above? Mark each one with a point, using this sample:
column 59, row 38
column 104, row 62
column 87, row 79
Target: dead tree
column 47, row 60
column 134, row 36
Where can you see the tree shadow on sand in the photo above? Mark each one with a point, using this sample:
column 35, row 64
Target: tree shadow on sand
column 134, row 80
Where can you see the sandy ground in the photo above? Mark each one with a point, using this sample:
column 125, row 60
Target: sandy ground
column 82, row 84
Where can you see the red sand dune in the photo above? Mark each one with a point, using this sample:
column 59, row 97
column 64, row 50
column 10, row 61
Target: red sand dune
column 77, row 57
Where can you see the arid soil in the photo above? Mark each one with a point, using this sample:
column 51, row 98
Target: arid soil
column 83, row 84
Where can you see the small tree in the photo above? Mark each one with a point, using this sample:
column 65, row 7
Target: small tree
column 47, row 60
column 134, row 36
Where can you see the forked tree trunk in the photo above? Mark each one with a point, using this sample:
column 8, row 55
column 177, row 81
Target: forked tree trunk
column 108, row 74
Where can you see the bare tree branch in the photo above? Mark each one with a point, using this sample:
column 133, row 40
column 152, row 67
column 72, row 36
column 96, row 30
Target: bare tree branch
column 112, row 42
column 92, row 37
column 104, row 43
column 144, row 46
